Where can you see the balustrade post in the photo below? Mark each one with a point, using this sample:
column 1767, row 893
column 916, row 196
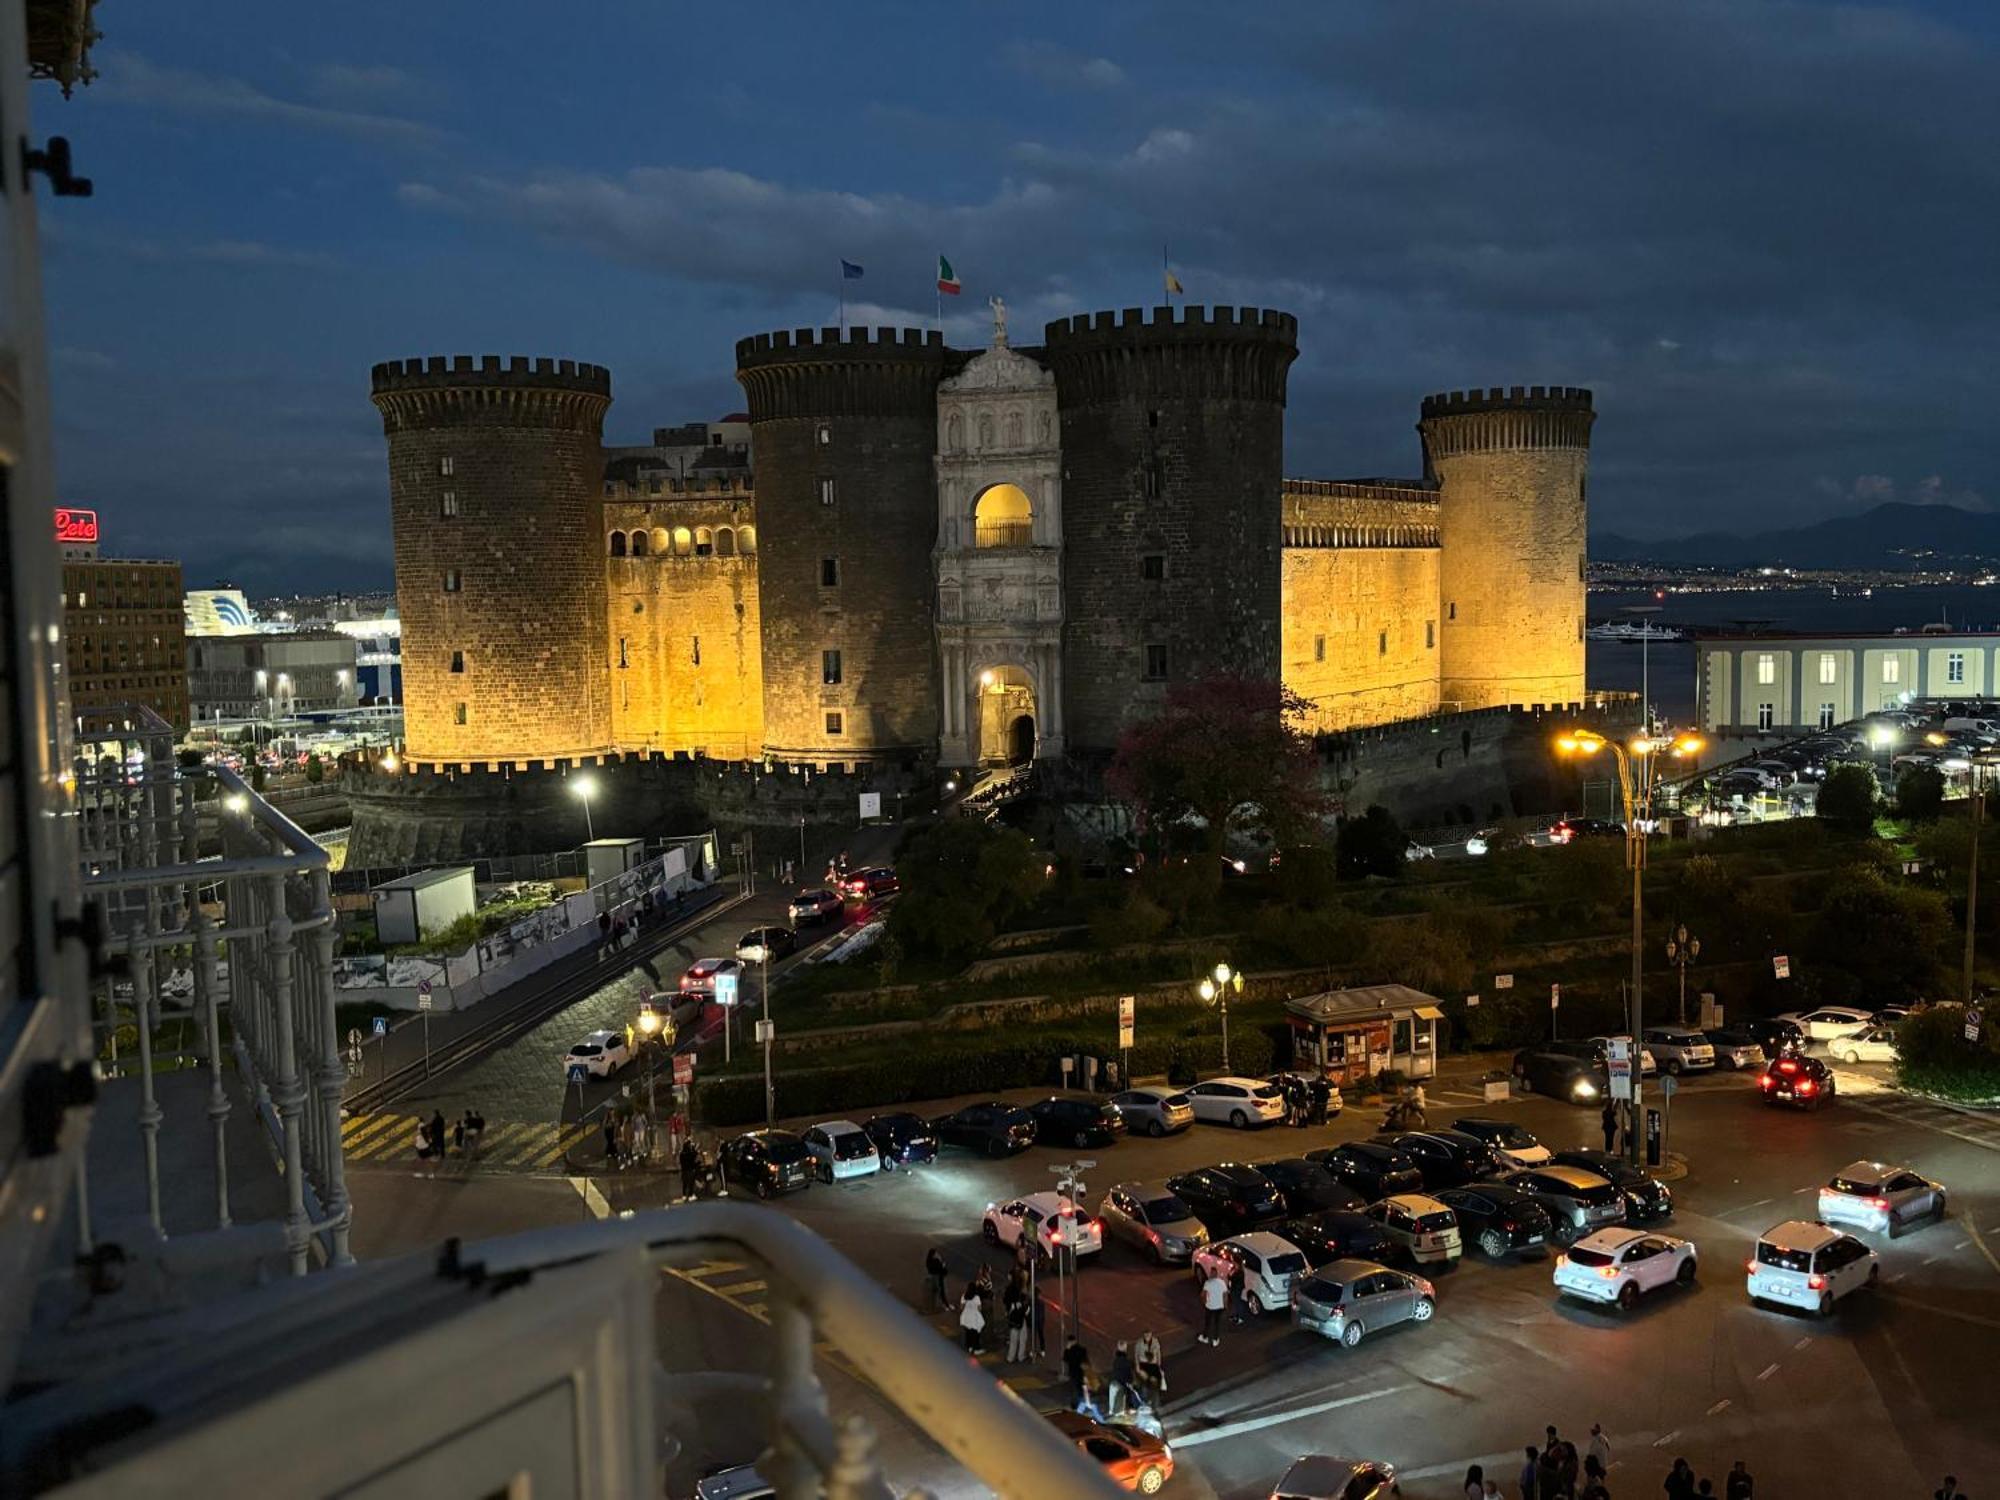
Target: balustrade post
column 207, row 979
column 332, row 1073
column 795, row 1390
column 287, row 1092
column 149, row 1106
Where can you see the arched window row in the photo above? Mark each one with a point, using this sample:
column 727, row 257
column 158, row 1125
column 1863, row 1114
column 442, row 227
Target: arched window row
column 682, row 541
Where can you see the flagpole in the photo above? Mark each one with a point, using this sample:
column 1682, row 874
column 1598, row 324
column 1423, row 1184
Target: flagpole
column 1166, row 277
column 843, row 300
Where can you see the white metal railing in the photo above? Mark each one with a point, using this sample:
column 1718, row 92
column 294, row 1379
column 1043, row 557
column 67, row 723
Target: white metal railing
column 248, row 937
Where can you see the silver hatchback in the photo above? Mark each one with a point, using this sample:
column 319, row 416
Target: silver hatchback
column 1349, row 1299
column 1149, row 1217
column 1154, row 1110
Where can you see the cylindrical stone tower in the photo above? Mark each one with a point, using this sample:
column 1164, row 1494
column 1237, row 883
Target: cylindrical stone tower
column 1511, row 466
column 1173, row 437
column 844, row 429
column 495, row 490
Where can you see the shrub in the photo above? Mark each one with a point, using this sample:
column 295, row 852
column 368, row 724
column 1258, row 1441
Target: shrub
column 1933, row 1057
column 1372, row 844
column 1847, row 799
column 1920, row 794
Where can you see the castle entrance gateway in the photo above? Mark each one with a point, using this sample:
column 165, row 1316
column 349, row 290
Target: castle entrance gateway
column 1003, row 711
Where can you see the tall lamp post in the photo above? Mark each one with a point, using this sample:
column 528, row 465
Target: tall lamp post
column 583, row 788
column 1215, row 990
column 1683, row 950
column 1635, row 789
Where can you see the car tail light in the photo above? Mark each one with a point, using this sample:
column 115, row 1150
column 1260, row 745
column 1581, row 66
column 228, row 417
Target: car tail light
column 1817, row 1283
column 1750, row 1266
column 1788, row 1066
column 1765, row 1081
column 1878, row 1202
column 1807, row 1086
column 1607, row 1272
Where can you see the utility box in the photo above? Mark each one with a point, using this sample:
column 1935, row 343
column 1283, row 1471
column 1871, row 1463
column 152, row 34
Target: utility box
column 604, row 859
column 412, row 908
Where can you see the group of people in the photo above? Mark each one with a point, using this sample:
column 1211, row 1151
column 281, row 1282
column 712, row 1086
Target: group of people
column 1408, row 1111
column 434, row 1142
column 1131, row 1392
column 628, row 1137
column 1557, row 1471
column 1306, row 1101
column 620, row 929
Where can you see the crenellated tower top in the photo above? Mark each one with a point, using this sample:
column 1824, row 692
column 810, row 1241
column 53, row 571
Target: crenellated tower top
column 465, row 390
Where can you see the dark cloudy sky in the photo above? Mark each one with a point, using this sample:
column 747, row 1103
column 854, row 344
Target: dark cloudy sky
column 1765, row 233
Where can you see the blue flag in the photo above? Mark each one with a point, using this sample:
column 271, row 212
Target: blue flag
column 849, row 271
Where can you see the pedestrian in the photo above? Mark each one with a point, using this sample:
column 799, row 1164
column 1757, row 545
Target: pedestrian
column 1122, row 1390
column 1549, row 1479
column 1600, row 1445
column 1593, row 1487
column 972, row 1322
column 610, row 1141
column 1566, row 1464
column 936, row 1298
column 1493, row 1489
column 1738, row 1485
column 475, row 1128
column 1038, row 1316
column 1475, row 1483
column 1152, row 1368
column 438, row 1136
column 1017, row 1322
column 1419, row 1104
column 1949, row 1490
column 1322, row 1094
column 1239, row 1284
column 691, row 1168
column 1076, row 1360
column 458, row 1136
column 1214, row 1297
column 1609, row 1120
column 423, row 1141
column 1529, row 1471
column 1680, row 1481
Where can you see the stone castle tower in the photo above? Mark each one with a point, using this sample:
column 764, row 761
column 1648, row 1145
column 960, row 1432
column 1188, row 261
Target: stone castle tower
column 844, row 429
column 1173, row 443
column 1511, row 466
column 495, row 479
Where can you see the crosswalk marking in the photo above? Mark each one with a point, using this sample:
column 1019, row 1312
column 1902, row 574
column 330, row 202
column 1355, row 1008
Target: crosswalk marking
column 386, row 1138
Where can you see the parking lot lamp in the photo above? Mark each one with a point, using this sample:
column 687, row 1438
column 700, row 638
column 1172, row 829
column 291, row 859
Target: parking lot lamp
column 1215, row 991
column 1683, row 950
column 583, row 788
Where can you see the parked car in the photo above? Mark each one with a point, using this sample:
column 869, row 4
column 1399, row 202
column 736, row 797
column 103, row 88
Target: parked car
column 1802, row 1082
column 1306, row 1187
column 840, row 1149
column 600, row 1054
column 1039, row 1218
column 1736, row 1047
column 1808, row 1265
column 1577, row 1201
column 1878, row 1196
column 1153, row 1219
column 1568, row 830
column 871, row 884
column 1773, row 1032
column 1446, row 1158
column 1512, row 1145
column 1648, row 1063
column 1335, row 1234
column 766, row 1162
column 1680, row 1049
column 1561, row 1074
column 1372, row 1171
column 1346, row 1300
column 1154, row 1109
column 1421, row 1227
column 991, row 1128
column 1646, row 1200
column 1320, row 1476
column 901, row 1139
column 818, row 905
column 1499, row 1219
column 1132, row 1458
column 766, row 944
column 740, row 1482
column 1268, row 1264
column 699, row 980
column 1621, row 1265
column 1241, row 1102
column 1076, row 1120
column 1876, row 1044
column 1228, row 1197
column 1829, row 1022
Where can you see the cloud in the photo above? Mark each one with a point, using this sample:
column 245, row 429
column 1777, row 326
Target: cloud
column 1055, row 68
column 349, row 85
column 228, row 252
column 1865, row 491
column 129, row 78
column 83, row 359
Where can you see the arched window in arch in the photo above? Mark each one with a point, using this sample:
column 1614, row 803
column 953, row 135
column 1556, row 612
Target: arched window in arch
column 683, row 541
column 986, row 429
column 954, row 433
column 704, row 542
column 725, row 541
column 746, row 540
column 617, row 544
column 1016, row 437
column 1003, row 516
column 638, row 544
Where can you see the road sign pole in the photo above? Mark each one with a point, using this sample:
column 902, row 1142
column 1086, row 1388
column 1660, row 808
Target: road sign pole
column 770, row 1094
column 427, row 1039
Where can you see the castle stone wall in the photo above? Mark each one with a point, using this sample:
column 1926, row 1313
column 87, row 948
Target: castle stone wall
column 1360, row 632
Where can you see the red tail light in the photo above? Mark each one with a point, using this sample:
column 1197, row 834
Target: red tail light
column 1765, row 1081
column 1807, row 1086
column 1750, row 1266
column 1788, row 1066
column 1607, row 1272
column 1878, row 1202
column 1817, row 1283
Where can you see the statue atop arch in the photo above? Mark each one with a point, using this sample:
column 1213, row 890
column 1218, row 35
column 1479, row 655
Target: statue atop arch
column 999, row 306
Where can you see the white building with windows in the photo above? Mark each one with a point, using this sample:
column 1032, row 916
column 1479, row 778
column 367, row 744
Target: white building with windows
column 1768, row 683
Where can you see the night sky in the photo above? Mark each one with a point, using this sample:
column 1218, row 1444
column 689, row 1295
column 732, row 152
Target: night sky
column 1765, row 234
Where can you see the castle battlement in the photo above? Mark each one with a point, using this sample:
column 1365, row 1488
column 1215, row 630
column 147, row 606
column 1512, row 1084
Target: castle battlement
column 487, row 370
column 1572, row 398
column 1206, row 322
column 1403, row 491
column 835, row 341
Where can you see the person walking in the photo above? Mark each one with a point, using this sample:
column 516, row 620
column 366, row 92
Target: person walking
column 438, row 1136
column 1239, row 1285
column 1146, row 1357
column 1680, row 1481
column 1566, row 1464
column 1949, row 1490
column 1475, row 1483
column 691, row 1168
column 1737, row 1483
column 1123, row 1389
column 1530, row 1473
column 458, row 1136
column 1549, row 1479
column 1419, row 1107
column 1214, row 1297
column 610, row 1141
column 1076, row 1361
column 936, row 1298
column 1608, row 1119
column 1600, row 1446
column 1017, row 1321
column 423, row 1141
column 1322, row 1095
column 972, row 1322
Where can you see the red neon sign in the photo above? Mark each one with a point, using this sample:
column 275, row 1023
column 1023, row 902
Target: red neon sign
column 76, row 525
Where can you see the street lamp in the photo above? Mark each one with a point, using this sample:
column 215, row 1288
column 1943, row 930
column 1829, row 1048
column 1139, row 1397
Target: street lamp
column 583, row 788
column 1635, row 759
column 1683, row 950
column 1215, row 990
column 389, row 762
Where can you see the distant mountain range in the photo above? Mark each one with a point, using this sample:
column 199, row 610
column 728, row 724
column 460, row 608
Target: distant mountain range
column 1884, row 537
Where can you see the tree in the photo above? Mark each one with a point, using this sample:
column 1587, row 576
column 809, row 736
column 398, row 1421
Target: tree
column 1372, row 844
column 1847, row 799
column 962, row 879
column 315, row 771
column 1919, row 793
column 1224, row 754
column 1887, row 939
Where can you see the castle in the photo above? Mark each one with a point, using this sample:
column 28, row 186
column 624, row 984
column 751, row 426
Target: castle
column 954, row 557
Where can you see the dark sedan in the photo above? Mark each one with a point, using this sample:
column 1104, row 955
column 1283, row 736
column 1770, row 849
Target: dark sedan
column 1802, row 1082
column 1646, row 1201
column 1061, row 1120
column 1373, row 1171
column 1772, row 1033
column 1306, row 1187
column 1229, row 1198
column 902, row 1139
column 767, row 1162
column 1336, row 1235
column 1447, row 1158
column 1500, row 1220
column 1561, row 1073
column 991, row 1128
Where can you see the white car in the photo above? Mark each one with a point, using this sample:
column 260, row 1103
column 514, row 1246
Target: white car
column 1621, row 1265
column 841, row 1149
column 600, row 1054
column 1040, row 1215
column 1680, row 1049
column 1319, row 1476
column 1829, row 1022
column 1421, row 1227
column 1648, row 1064
column 1876, row 1044
column 1269, row 1263
column 1809, row 1265
column 1878, row 1196
column 1241, row 1102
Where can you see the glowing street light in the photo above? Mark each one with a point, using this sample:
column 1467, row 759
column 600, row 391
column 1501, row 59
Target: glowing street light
column 583, row 788
column 1214, row 990
column 236, row 802
column 389, row 763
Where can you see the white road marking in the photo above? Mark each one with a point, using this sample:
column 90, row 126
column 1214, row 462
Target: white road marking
column 1666, row 1438
column 1768, row 1371
column 1722, row 1405
column 1801, row 1344
column 1258, row 1424
column 592, row 1198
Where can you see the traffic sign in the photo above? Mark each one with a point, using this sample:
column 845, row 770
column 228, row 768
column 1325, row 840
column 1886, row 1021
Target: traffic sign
column 684, row 1067
column 1127, row 1009
column 1669, row 1085
column 766, row 1030
column 1555, row 996
column 1972, row 1023
column 1471, row 1000
column 381, row 1026
column 1781, row 966
column 725, row 989
column 1503, row 981
column 423, row 999
column 577, row 1072
column 423, row 986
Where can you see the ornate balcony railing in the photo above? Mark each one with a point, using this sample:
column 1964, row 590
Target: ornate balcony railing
column 1003, row 534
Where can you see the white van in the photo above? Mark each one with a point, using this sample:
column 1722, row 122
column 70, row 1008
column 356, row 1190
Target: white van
column 1983, row 727
column 1809, row 1265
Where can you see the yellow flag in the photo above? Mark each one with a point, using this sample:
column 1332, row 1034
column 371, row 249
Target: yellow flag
column 1174, row 284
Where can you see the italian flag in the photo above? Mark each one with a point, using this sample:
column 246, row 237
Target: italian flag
column 948, row 282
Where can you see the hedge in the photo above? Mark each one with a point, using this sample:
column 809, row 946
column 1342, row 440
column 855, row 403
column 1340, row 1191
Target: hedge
column 1933, row 1057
